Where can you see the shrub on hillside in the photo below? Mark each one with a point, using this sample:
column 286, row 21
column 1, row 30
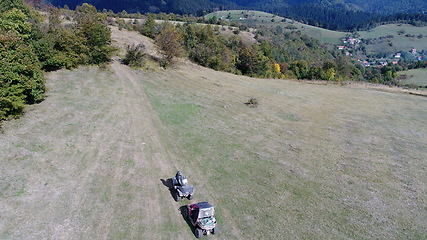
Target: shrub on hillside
column 134, row 55
column 252, row 102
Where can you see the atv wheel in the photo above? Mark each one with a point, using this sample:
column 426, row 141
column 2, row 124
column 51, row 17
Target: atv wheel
column 198, row 232
column 214, row 231
column 185, row 212
column 190, row 197
column 177, row 197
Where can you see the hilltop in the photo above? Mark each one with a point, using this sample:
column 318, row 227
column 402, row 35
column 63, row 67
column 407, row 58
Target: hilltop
column 311, row 161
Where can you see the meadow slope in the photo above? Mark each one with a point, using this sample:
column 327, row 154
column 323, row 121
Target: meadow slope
column 310, row 162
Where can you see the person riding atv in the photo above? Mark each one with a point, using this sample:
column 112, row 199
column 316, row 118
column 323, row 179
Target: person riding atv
column 181, row 187
column 181, row 180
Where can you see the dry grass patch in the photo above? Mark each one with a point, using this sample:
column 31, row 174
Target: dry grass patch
column 312, row 161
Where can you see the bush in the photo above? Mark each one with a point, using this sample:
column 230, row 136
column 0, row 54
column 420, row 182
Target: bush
column 21, row 79
column 11, row 106
column 252, row 102
column 134, row 55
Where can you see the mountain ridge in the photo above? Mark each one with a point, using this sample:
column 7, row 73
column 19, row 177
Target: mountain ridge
column 343, row 15
column 382, row 7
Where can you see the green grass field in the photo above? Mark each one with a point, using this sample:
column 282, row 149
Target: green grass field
column 265, row 19
column 393, row 29
column 304, row 164
column 416, row 77
column 245, row 15
column 399, row 42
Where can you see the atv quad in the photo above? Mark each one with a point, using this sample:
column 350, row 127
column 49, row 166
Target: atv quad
column 201, row 216
column 181, row 188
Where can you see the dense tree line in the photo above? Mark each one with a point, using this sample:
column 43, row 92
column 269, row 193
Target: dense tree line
column 389, row 7
column 202, row 45
column 335, row 15
column 343, row 19
column 277, row 54
column 195, row 7
column 31, row 43
column 333, row 18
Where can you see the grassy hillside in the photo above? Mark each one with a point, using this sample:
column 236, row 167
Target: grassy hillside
column 304, row 164
column 404, row 38
column 415, row 77
column 258, row 18
column 311, row 162
column 393, row 29
column 399, row 42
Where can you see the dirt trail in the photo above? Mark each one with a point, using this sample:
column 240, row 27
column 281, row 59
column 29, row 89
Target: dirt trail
column 87, row 163
column 153, row 158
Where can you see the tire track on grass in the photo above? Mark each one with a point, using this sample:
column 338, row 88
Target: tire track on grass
column 154, row 161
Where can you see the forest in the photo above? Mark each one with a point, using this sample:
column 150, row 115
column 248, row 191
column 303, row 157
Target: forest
column 335, row 15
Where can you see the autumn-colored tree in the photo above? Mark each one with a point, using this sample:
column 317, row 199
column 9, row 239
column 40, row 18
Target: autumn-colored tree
column 328, row 71
column 328, row 74
column 300, row 69
column 170, row 41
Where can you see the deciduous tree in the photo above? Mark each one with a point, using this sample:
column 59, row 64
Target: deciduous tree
column 300, row 69
column 170, row 41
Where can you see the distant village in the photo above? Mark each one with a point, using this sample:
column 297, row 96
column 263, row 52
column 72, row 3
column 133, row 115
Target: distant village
column 352, row 44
